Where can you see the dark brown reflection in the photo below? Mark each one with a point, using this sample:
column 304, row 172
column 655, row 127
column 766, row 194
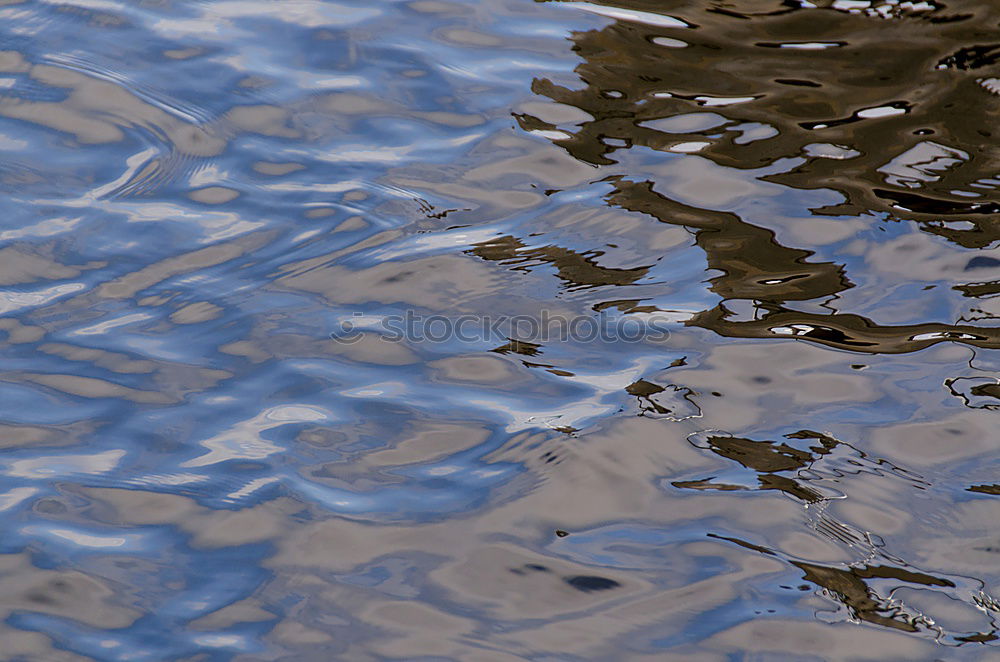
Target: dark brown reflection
column 576, row 269
column 670, row 401
column 755, row 267
column 845, row 331
column 849, row 586
column 625, row 306
column 865, row 587
column 975, row 392
column 976, row 290
column 892, row 106
column 519, row 347
column 788, row 468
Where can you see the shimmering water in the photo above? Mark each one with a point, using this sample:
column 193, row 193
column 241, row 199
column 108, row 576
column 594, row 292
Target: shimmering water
column 216, row 447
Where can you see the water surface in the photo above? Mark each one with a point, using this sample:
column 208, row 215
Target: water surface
column 214, row 449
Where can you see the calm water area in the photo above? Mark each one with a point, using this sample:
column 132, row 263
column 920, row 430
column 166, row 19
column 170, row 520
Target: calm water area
column 499, row 330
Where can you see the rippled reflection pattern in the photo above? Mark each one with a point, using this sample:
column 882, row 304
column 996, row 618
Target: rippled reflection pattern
column 199, row 195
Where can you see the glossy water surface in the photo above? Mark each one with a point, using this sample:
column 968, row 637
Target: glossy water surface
column 214, row 450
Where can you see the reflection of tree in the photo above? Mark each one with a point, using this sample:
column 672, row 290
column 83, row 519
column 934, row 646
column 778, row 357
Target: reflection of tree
column 755, row 267
column 907, row 97
column 788, row 468
column 851, row 586
column 672, row 402
column 576, row 269
column 892, row 104
column 865, row 587
column 888, row 106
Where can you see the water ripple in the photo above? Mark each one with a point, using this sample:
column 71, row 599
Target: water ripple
column 216, row 444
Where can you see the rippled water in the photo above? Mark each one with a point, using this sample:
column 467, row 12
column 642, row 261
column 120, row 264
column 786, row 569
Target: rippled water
column 215, row 447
